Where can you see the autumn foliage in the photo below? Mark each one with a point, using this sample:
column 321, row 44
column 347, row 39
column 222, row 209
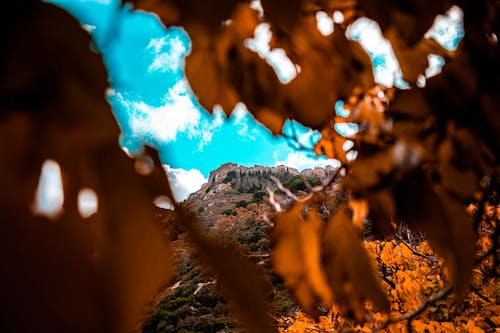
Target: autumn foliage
column 423, row 156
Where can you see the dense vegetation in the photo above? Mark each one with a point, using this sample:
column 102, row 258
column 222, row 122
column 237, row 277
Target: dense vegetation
column 194, row 302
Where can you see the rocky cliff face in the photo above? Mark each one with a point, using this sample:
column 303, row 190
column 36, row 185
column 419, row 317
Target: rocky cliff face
column 240, row 179
column 231, row 184
column 232, row 207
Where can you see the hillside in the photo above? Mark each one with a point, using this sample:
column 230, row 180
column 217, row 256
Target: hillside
column 231, row 184
column 232, row 205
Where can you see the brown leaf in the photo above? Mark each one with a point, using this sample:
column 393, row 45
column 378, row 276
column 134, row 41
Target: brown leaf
column 222, row 71
column 371, row 171
column 411, row 18
column 410, row 104
column 272, row 120
column 443, row 220
column 382, row 209
column 331, row 145
column 188, row 13
column 282, row 14
column 296, row 256
column 359, row 209
column 413, row 60
column 348, row 266
column 95, row 275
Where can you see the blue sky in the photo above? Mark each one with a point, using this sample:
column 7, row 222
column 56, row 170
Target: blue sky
column 152, row 101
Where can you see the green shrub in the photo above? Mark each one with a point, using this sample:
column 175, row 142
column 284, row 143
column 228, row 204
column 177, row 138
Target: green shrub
column 230, row 176
column 229, row 212
column 258, row 196
column 296, row 183
column 243, row 203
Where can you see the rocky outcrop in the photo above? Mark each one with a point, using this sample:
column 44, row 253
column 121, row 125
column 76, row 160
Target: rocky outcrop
column 231, row 185
column 231, row 177
column 240, row 179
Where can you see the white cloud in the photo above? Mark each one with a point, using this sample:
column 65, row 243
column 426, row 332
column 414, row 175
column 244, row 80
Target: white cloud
column 209, row 127
column 305, row 136
column 168, row 54
column 241, row 119
column 447, row 30
column 164, row 202
column 88, row 202
column 300, row 161
column 256, row 5
column 178, row 114
column 436, row 64
column 184, row 182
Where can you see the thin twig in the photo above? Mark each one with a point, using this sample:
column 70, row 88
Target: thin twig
column 287, row 191
column 479, row 294
column 292, row 196
column 413, row 314
column 272, row 199
column 415, row 251
column 490, row 251
column 265, row 255
column 389, row 282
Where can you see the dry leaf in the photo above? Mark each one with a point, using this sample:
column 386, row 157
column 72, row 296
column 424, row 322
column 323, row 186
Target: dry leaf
column 349, row 269
column 95, row 275
column 443, row 220
column 296, row 256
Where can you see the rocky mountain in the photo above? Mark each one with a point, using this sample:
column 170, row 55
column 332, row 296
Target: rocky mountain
column 232, row 206
column 233, row 185
column 232, row 177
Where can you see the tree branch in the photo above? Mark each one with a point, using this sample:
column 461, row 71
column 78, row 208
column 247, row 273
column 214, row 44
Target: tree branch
column 415, row 251
column 272, row 200
column 292, row 196
column 410, row 315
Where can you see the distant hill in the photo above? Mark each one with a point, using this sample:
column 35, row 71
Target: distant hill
column 231, row 205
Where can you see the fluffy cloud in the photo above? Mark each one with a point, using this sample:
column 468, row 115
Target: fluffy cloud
column 178, row 114
column 184, row 182
column 168, row 54
column 241, row 119
column 301, row 161
column 207, row 128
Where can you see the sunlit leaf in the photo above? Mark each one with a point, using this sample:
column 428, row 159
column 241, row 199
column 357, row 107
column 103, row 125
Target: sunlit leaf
column 297, row 256
column 349, row 269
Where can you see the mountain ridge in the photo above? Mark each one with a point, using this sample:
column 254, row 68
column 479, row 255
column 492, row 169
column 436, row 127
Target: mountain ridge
column 232, row 185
